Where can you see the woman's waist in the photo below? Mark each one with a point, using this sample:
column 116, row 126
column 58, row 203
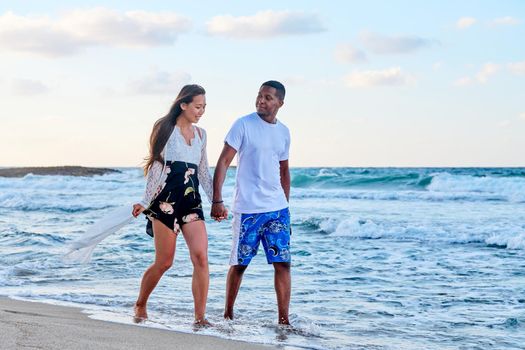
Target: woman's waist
column 184, row 157
column 177, row 165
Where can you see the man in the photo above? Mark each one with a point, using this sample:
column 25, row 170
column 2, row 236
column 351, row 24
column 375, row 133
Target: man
column 262, row 192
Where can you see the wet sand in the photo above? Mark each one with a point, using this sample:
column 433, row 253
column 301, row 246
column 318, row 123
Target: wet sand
column 31, row 325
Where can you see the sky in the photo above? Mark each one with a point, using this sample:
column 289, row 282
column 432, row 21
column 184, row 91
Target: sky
column 375, row 83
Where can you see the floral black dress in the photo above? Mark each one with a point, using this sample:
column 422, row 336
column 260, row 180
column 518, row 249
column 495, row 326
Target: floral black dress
column 179, row 202
column 176, row 199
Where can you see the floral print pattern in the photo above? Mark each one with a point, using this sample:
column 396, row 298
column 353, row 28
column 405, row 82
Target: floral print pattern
column 189, row 172
column 178, row 201
column 190, row 217
column 272, row 229
column 167, row 208
column 176, row 148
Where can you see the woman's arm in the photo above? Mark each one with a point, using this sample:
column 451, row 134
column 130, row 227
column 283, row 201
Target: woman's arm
column 154, row 180
column 204, row 170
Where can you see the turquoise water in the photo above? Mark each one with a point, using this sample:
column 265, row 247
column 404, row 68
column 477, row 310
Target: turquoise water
column 383, row 258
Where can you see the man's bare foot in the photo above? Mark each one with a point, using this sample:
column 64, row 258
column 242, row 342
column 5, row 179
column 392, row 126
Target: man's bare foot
column 141, row 314
column 228, row 315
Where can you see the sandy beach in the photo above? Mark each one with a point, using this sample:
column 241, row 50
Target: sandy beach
column 42, row 326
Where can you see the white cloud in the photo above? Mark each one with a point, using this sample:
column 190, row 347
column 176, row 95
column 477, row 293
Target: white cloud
column 35, row 34
column 160, row 83
column 265, row 24
column 517, row 67
column 28, row 87
column 77, row 30
column 465, row 22
column 465, row 81
column 522, row 116
column 481, row 77
column 504, row 123
column 387, row 77
column 486, row 71
column 347, row 53
column 505, row 21
column 383, row 44
column 437, row 65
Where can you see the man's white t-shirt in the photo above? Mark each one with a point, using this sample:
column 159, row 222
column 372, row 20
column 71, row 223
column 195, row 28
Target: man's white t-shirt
column 260, row 146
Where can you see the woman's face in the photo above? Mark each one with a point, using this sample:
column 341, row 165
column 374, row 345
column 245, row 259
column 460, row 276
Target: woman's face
column 194, row 110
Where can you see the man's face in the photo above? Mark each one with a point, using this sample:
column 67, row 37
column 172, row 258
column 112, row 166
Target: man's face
column 267, row 102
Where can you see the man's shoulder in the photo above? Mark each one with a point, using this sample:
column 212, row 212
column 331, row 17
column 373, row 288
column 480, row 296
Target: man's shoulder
column 246, row 118
column 244, row 121
column 284, row 127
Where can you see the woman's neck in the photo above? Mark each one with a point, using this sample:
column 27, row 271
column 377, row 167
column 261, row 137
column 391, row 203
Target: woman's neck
column 183, row 123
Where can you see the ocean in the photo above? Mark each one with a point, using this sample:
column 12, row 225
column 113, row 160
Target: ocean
column 382, row 258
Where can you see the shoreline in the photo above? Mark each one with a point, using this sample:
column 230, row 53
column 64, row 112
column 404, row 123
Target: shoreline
column 28, row 324
column 67, row 170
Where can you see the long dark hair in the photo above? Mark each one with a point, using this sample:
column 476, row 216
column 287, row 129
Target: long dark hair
column 163, row 127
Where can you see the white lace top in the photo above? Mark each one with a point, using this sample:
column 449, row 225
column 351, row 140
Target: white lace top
column 177, row 149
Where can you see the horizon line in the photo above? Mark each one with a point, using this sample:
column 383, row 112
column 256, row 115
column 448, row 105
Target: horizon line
column 291, row 167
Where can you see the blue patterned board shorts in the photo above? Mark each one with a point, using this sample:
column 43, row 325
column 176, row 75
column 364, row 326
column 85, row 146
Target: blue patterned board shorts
column 272, row 228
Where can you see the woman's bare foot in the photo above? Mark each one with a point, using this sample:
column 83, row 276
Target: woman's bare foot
column 284, row 321
column 202, row 323
column 141, row 314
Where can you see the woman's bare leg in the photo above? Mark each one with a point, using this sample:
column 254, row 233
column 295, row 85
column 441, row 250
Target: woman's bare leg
column 197, row 241
column 165, row 243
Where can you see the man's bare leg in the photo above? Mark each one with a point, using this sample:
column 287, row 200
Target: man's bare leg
column 283, row 287
column 233, row 283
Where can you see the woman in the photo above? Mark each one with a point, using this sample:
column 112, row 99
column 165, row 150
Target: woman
column 176, row 164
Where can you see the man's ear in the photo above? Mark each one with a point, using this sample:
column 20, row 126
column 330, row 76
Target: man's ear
column 281, row 103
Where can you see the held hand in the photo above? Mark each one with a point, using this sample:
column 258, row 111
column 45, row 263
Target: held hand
column 216, row 211
column 137, row 209
column 225, row 214
column 219, row 212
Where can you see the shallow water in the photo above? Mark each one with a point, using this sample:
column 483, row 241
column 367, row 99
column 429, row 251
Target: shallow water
column 382, row 258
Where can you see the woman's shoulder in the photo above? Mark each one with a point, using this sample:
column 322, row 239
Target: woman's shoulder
column 201, row 132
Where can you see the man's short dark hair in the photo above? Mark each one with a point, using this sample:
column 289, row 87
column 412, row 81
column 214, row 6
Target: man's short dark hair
column 281, row 91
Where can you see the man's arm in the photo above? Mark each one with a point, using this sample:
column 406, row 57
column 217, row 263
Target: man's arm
column 218, row 211
column 285, row 178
